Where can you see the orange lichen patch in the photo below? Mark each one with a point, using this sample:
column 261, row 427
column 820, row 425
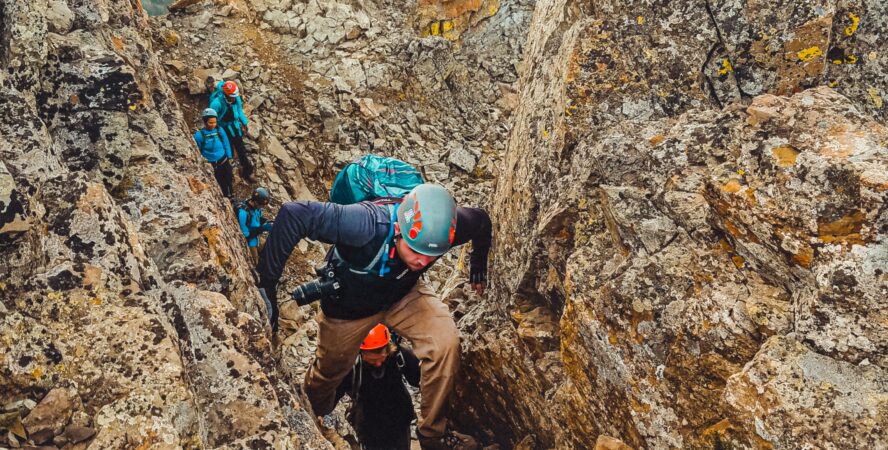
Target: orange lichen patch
column 196, row 185
column 750, row 196
column 718, row 428
column 803, row 56
column 804, row 256
column 213, row 236
column 738, row 261
column 612, row 338
column 732, row 186
column 733, row 230
column 843, row 230
column 638, row 406
column 656, row 140
column 786, row 155
column 74, row 99
column 148, row 442
column 118, row 43
column 725, row 245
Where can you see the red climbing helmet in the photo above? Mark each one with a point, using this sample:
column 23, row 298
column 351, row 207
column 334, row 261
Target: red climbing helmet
column 378, row 337
column 229, row 88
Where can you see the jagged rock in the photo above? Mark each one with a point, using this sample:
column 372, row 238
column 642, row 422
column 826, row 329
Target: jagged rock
column 633, row 264
column 788, row 391
column 608, row 443
column 59, row 17
column 52, row 414
column 462, row 157
column 122, row 214
column 74, row 434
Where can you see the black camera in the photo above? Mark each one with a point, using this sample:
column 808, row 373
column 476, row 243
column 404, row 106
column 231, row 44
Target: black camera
column 326, row 285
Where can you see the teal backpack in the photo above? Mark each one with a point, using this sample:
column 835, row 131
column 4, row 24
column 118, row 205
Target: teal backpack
column 373, row 176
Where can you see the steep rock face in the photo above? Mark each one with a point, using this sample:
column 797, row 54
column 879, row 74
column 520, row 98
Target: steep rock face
column 675, row 274
column 124, row 278
column 326, row 81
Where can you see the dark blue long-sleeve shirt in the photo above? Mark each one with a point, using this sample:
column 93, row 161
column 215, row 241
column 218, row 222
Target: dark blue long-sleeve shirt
column 358, row 231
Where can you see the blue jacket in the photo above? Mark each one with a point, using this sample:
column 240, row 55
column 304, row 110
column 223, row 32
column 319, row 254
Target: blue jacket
column 218, row 103
column 251, row 223
column 213, row 144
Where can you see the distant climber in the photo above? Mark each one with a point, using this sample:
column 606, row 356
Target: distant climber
column 227, row 102
column 373, row 275
column 252, row 224
column 215, row 148
column 382, row 409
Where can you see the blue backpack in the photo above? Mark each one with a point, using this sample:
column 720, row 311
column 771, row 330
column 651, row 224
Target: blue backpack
column 373, row 176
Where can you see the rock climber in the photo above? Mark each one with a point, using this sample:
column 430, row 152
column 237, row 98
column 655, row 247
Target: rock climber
column 215, row 148
column 407, row 241
column 227, row 102
column 252, row 224
column 382, row 409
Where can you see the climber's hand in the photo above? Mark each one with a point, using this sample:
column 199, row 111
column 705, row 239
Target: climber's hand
column 478, row 280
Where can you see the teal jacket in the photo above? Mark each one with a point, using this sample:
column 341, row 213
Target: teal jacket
column 213, row 144
column 251, row 223
column 238, row 118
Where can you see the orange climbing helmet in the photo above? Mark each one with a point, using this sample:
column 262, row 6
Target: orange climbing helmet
column 229, row 88
column 378, row 337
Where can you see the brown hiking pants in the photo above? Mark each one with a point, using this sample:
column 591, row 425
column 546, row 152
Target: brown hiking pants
column 420, row 317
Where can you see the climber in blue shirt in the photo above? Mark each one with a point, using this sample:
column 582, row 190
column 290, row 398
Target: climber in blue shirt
column 215, row 148
column 227, row 102
column 252, row 224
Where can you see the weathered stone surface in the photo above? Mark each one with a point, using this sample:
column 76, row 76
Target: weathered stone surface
column 789, row 393
column 672, row 247
column 113, row 235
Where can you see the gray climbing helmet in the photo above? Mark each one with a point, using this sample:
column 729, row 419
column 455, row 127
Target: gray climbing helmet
column 427, row 219
column 209, row 112
column 260, row 195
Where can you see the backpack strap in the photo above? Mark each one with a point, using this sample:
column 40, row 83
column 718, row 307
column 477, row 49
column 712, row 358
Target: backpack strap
column 386, row 250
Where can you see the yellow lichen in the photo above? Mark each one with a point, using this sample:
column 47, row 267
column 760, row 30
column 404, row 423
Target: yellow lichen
column 850, row 59
column 875, row 97
column 640, row 20
column 37, row 372
column 855, row 21
column 545, row 133
column 726, row 67
column 738, row 261
column 810, row 53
